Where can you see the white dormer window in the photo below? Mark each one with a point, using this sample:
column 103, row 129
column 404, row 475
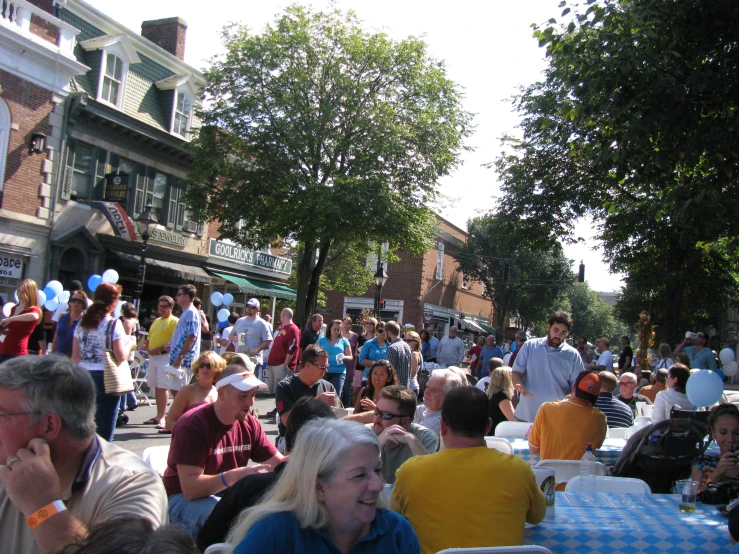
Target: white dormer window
column 182, row 100
column 112, row 79
column 182, row 112
column 116, row 55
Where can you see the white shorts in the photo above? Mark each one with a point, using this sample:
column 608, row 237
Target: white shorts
column 156, row 375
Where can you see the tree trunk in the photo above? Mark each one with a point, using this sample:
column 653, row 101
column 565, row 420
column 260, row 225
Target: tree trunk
column 310, row 269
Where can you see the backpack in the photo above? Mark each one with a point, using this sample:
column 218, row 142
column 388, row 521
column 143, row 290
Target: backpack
column 662, row 462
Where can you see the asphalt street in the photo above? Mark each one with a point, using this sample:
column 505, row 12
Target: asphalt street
column 137, row 437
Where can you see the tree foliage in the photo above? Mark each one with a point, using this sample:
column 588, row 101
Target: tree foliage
column 326, row 135
column 537, row 273
column 635, row 125
column 593, row 318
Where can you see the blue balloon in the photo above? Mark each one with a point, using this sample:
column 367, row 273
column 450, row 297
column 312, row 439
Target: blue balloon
column 216, row 299
column 228, row 299
column 222, row 324
column 223, row 314
column 704, row 388
column 93, row 282
column 50, row 293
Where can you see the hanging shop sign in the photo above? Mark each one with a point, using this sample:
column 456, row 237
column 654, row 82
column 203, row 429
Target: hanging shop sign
column 235, row 253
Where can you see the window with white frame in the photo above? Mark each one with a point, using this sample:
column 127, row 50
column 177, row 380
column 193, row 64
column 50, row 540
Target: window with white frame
column 112, row 80
column 5, row 122
column 182, row 113
column 465, row 281
column 440, row 260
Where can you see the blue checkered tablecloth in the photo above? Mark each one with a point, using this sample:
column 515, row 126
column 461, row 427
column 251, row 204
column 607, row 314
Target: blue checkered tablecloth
column 607, row 523
column 606, row 454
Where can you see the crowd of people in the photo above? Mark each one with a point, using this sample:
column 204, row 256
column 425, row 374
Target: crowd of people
column 321, row 486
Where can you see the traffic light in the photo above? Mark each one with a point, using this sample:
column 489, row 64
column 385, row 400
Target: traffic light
column 382, row 304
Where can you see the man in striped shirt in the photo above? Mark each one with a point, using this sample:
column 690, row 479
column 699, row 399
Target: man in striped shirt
column 617, row 413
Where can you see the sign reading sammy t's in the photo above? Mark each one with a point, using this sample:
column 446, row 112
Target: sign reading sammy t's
column 118, row 219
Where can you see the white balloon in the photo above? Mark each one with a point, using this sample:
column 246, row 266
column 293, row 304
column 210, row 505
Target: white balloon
column 507, row 358
column 15, row 292
column 731, row 368
column 8, row 309
column 52, row 304
column 110, row 276
column 41, row 297
column 56, row 286
column 64, row 296
column 726, row 355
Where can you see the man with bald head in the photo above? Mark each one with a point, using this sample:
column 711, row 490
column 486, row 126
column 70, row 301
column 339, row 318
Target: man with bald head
column 284, row 353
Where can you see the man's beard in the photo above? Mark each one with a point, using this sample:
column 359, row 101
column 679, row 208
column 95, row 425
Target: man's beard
column 550, row 341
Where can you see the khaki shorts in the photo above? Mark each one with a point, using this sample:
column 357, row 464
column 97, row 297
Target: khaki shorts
column 156, row 376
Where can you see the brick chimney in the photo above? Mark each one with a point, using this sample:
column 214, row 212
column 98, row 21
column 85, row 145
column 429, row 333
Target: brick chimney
column 167, row 33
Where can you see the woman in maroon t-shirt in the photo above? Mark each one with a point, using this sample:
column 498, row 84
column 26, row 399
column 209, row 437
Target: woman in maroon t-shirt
column 21, row 323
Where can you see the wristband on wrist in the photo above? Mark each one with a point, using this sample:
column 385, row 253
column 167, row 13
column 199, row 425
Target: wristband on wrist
column 223, row 479
column 50, row 510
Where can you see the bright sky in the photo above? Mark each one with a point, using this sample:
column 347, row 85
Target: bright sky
column 488, row 50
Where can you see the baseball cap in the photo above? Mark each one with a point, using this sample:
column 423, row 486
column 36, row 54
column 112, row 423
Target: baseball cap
column 253, row 303
column 589, row 384
column 244, row 381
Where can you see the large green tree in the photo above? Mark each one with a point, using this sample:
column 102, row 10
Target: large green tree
column 322, row 133
column 593, row 318
column 522, row 277
column 635, row 125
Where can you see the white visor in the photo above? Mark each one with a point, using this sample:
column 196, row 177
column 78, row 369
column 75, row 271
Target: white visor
column 244, row 381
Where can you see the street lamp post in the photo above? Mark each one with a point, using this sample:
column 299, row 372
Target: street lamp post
column 143, row 222
column 380, row 279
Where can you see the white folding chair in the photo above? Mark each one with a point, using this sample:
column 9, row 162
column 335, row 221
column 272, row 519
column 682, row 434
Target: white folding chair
column 531, row 548
column 564, row 470
column 219, row 548
column 617, row 432
column 643, row 421
column 512, row 429
column 156, row 457
column 618, row 485
column 140, row 368
column 500, row 444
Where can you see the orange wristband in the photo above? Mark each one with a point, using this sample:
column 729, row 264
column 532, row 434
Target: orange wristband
column 50, row 510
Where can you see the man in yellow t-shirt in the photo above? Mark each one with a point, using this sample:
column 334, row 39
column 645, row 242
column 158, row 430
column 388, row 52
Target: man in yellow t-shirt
column 160, row 335
column 466, row 510
column 562, row 429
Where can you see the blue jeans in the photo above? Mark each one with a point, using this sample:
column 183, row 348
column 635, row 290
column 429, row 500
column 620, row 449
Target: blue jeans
column 346, row 392
column 128, row 401
column 190, row 515
column 106, row 407
column 337, row 380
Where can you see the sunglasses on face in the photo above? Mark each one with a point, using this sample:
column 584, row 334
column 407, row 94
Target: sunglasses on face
column 386, row 416
column 206, row 366
column 380, row 330
column 77, row 300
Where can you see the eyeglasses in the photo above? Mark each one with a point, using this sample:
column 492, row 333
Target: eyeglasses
column 20, row 413
column 205, row 366
column 627, row 383
column 380, row 330
column 323, row 367
column 77, row 300
column 411, row 340
column 387, row 416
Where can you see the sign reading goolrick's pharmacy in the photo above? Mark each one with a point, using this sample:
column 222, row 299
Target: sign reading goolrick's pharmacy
column 235, row 253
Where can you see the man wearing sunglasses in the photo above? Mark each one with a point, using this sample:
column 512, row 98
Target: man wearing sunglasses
column 400, row 438
column 307, row 382
column 701, row 357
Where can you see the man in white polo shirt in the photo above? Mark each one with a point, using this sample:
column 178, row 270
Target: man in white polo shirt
column 546, row 369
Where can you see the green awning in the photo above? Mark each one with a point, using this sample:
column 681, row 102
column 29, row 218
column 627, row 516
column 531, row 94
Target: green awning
column 487, row 327
column 259, row 288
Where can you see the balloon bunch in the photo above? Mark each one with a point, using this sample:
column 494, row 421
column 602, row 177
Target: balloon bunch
column 728, row 361
column 52, row 295
column 226, row 299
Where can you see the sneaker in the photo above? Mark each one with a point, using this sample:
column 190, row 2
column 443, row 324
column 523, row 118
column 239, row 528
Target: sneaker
column 272, row 413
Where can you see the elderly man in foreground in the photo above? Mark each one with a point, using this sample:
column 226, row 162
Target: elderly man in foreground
column 441, row 382
column 211, row 447
column 443, row 495
column 59, row 477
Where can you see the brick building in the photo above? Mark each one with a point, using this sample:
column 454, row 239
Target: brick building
column 426, row 290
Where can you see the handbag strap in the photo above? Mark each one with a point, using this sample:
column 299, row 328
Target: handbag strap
column 109, row 335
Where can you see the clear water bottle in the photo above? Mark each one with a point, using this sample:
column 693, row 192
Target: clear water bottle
column 587, row 471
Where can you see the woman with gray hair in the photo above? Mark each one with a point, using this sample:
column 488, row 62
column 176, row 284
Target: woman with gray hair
column 330, row 497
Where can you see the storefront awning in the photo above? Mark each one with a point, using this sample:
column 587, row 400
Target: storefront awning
column 170, row 269
column 260, row 288
column 471, row 325
column 488, row 328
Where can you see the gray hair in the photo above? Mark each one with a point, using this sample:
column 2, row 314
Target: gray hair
column 630, row 375
column 453, row 377
column 54, row 385
column 318, row 453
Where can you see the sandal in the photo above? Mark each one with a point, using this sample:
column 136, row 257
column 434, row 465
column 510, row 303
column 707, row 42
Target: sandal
column 164, row 432
column 151, row 421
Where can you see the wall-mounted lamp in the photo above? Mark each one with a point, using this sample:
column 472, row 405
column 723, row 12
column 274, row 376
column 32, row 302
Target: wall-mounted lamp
column 38, row 143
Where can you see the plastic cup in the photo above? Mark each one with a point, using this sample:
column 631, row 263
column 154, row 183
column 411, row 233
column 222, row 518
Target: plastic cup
column 688, row 491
